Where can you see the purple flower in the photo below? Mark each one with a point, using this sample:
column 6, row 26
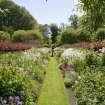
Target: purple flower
column 17, row 98
column 19, row 103
column 11, row 99
column 68, row 69
column 1, row 99
column 22, row 93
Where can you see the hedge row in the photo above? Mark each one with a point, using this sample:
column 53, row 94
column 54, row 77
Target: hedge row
column 21, row 36
column 73, row 36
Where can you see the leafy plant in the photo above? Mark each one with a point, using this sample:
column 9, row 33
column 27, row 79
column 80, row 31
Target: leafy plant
column 4, row 36
column 22, row 72
column 71, row 78
column 30, row 35
column 91, row 88
column 69, row 36
column 84, row 36
column 100, row 34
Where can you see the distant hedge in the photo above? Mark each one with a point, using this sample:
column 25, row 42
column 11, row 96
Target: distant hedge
column 84, row 36
column 69, row 36
column 24, row 36
column 100, row 34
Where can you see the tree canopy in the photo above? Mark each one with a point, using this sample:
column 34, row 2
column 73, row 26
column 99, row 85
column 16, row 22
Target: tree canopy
column 73, row 19
column 54, row 29
column 94, row 13
column 17, row 17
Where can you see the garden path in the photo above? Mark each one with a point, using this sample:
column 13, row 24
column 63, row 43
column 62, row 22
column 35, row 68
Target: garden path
column 53, row 91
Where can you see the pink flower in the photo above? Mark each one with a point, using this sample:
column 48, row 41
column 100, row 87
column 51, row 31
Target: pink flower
column 68, row 69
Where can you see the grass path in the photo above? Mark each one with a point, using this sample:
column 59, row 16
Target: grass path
column 53, row 91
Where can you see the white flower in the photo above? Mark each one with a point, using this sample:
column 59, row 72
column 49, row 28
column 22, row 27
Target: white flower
column 45, row 60
column 79, row 77
column 30, row 55
column 73, row 53
column 102, row 50
column 76, row 82
column 44, row 51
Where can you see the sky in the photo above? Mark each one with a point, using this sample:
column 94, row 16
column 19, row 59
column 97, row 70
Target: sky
column 52, row 11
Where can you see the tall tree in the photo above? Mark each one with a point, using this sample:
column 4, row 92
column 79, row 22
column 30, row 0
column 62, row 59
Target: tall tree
column 94, row 13
column 54, row 28
column 74, row 21
column 15, row 16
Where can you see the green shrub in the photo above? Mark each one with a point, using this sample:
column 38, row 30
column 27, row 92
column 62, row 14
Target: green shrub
column 69, row 36
column 91, row 89
column 58, row 39
column 13, row 81
column 30, row 35
column 84, row 36
column 34, row 35
column 18, row 35
column 70, row 79
column 46, row 42
column 23, row 72
column 92, row 59
column 4, row 36
column 103, row 59
column 100, row 34
column 103, row 42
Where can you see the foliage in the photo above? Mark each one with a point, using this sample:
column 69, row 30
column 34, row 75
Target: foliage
column 11, row 81
column 17, row 37
column 73, row 19
column 42, row 28
column 22, row 72
column 4, row 36
column 70, row 78
column 10, row 16
column 103, row 42
column 73, row 36
column 58, row 39
column 94, row 13
column 54, row 30
column 80, row 58
column 69, row 36
column 90, row 81
column 103, row 60
column 84, row 36
column 100, row 34
column 91, row 88
column 22, row 36
column 92, row 59
column 9, row 29
column 57, row 52
column 34, row 35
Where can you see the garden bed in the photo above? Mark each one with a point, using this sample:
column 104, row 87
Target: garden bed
column 84, row 72
column 22, row 72
column 12, row 47
column 87, row 45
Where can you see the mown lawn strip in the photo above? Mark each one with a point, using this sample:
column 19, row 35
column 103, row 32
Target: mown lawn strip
column 53, row 92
